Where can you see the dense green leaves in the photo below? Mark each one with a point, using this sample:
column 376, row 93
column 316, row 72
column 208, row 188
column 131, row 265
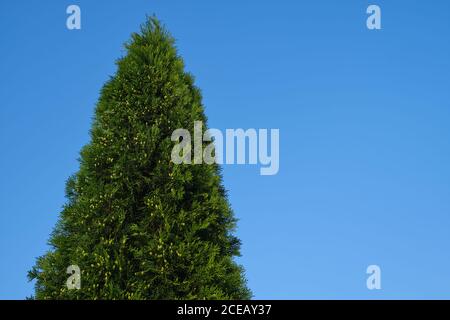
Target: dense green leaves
column 137, row 225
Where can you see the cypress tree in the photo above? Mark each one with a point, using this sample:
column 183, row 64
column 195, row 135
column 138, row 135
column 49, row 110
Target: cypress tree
column 137, row 225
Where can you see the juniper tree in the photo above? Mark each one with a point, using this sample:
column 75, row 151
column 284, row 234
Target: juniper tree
column 138, row 225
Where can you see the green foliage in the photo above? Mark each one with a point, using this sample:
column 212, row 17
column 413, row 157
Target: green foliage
column 137, row 225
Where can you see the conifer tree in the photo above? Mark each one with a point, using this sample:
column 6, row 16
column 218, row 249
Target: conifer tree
column 137, row 225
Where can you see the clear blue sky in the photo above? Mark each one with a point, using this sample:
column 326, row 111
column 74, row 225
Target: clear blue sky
column 364, row 119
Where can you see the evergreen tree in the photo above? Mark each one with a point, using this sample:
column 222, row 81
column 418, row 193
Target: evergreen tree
column 138, row 225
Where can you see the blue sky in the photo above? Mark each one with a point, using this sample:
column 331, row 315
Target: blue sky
column 364, row 132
